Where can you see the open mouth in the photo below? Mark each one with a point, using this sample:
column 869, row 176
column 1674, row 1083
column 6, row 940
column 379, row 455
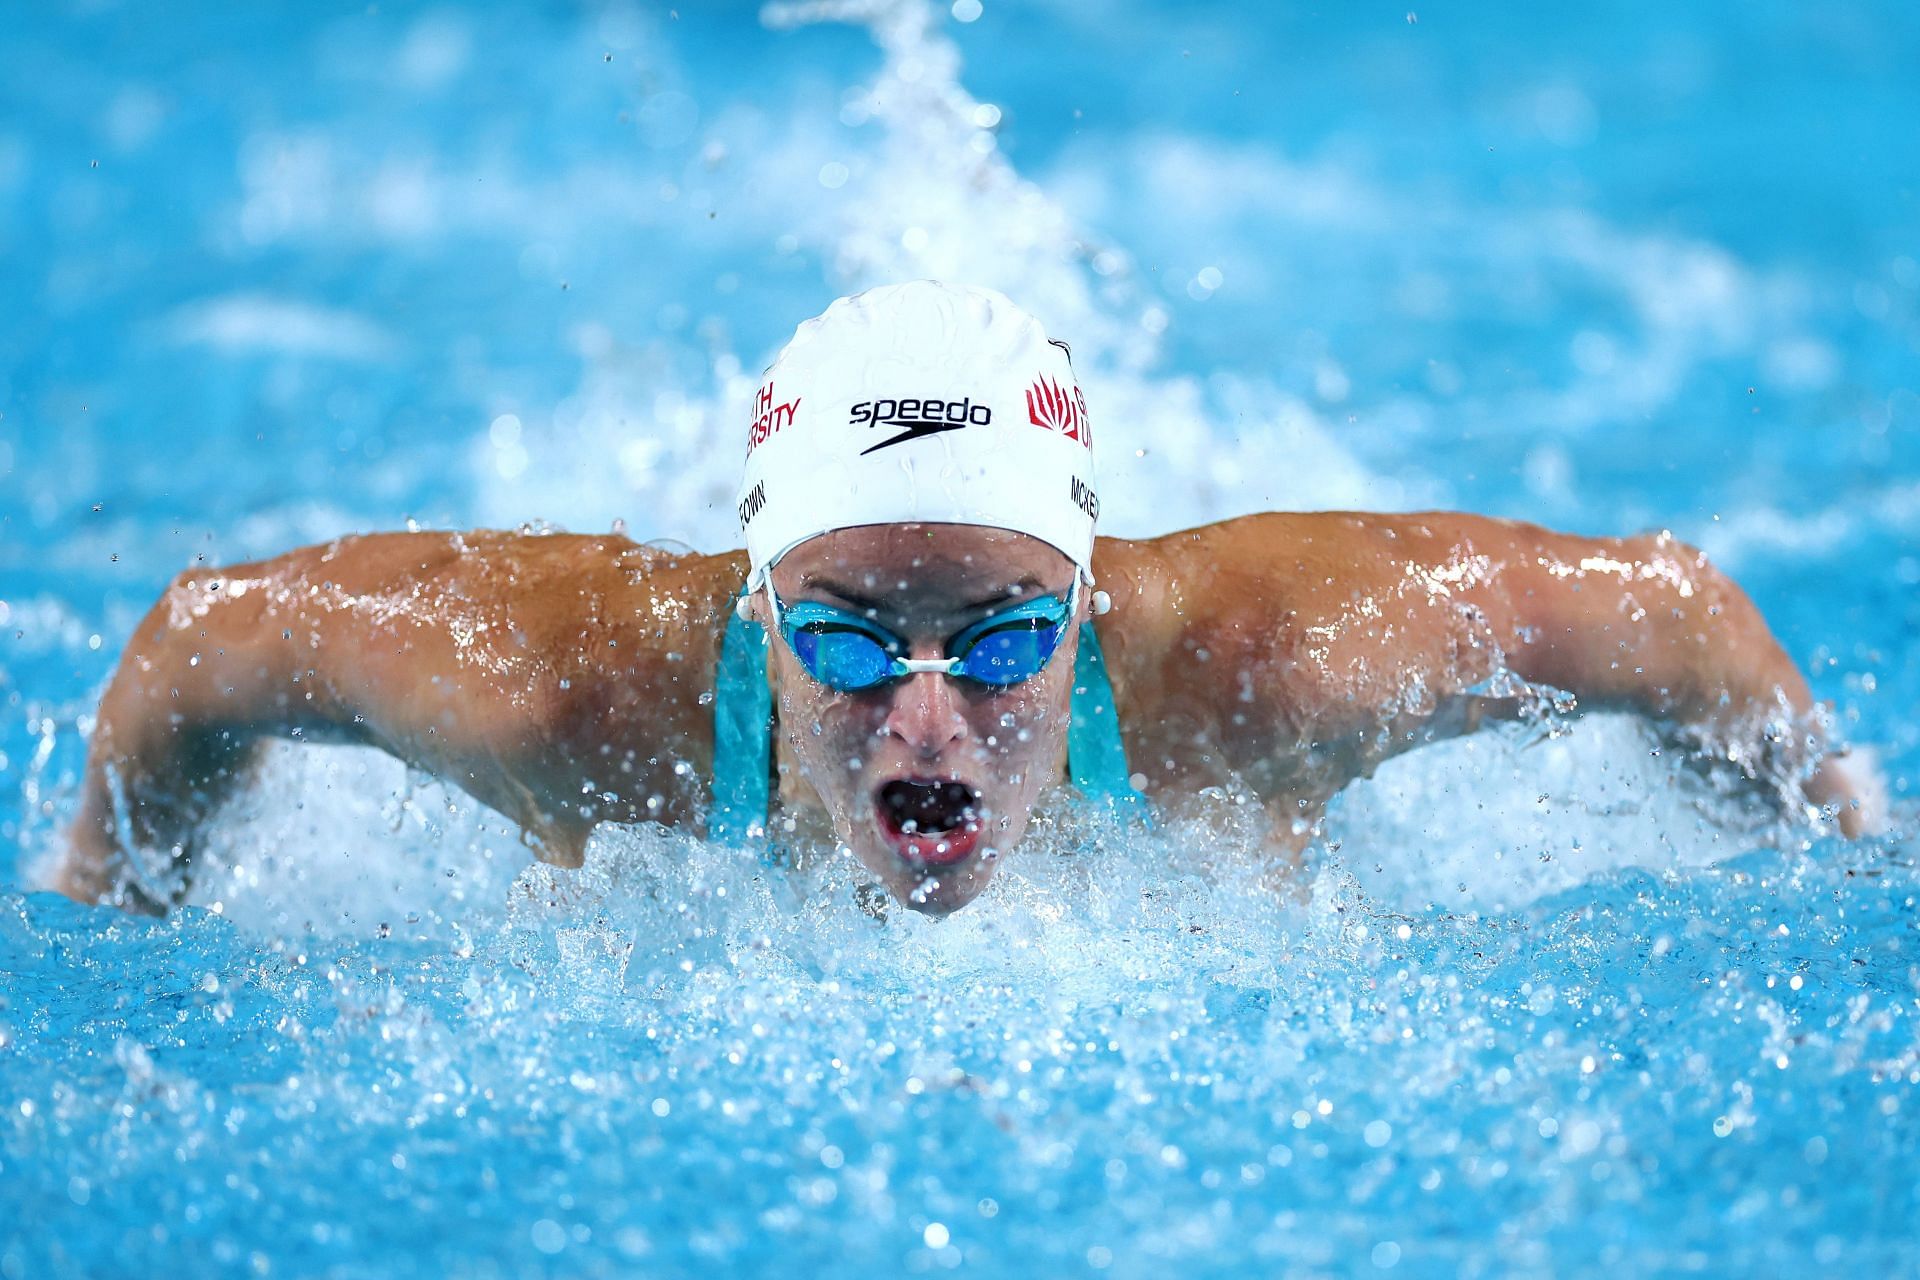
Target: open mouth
column 932, row 822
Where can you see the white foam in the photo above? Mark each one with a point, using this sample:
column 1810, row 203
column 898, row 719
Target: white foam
column 920, row 190
column 346, row 841
column 1762, row 530
column 252, row 323
column 1673, row 304
column 1504, row 817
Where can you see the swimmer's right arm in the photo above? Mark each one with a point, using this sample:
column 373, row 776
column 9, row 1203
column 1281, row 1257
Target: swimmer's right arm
column 556, row 679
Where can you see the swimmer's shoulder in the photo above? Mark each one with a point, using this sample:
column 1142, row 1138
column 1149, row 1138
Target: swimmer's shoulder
column 1295, row 556
column 1268, row 559
column 546, row 587
column 1273, row 594
column 527, row 555
column 521, row 560
column 1199, row 611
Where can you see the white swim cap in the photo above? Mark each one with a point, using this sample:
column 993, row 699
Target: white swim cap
column 921, row 402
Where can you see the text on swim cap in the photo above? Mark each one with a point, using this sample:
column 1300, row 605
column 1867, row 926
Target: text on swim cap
column 750, row 505
column 1084, row 498
column 916, row 417
column 769, row 417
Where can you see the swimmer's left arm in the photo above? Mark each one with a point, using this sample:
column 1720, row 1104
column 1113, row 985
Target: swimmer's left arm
column 1388, row 626
column 1648, row 624
column 1294, row 652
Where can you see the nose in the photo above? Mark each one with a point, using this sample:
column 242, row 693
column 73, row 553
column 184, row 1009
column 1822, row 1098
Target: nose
column 926, row 714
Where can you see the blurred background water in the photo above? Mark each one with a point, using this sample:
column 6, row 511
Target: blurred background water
column 273, row 274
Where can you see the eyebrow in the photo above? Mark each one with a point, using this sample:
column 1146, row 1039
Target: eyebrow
column 862, row 601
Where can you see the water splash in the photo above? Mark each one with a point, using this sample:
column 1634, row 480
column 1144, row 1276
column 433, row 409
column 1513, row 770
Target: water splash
column 923, row 191
column 1620, row 1030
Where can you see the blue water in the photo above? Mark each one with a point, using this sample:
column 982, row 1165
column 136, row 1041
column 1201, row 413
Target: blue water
column 1557, row 1005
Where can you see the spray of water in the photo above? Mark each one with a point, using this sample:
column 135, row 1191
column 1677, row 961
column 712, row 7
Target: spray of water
column 1545, row 1002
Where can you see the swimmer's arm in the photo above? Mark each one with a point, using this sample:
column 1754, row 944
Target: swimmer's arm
column 1648, row 624
column 200, row 684
column 512, row 668
column 1292, row 653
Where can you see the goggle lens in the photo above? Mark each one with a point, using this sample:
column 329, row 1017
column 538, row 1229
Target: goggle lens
column 1012, row 653
column 841, row 659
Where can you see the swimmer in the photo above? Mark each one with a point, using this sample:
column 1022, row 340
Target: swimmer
column 922, row 637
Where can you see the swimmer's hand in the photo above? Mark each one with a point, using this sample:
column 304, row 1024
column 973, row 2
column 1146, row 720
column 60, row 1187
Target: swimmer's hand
column 1851, row 787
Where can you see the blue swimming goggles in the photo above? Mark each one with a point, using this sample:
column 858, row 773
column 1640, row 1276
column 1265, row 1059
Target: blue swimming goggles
column 847, row 652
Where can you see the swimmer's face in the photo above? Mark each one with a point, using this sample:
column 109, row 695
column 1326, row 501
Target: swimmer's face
column 928, row 779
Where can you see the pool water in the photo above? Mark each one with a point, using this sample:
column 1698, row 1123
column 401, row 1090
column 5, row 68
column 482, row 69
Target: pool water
column 1556, row 1004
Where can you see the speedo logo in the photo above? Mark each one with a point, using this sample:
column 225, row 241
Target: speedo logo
column 915, row 418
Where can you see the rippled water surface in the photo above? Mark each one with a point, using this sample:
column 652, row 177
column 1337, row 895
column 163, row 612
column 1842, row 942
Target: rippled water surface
column 1554, row 1004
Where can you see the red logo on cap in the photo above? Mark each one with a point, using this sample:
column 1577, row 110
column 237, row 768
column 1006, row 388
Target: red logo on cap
column 1049, row 406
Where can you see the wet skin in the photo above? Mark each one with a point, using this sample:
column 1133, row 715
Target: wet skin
column 560, row 679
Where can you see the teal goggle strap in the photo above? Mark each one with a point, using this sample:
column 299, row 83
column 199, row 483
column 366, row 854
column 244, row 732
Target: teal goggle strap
column 1096, row 754
column 742, row 735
